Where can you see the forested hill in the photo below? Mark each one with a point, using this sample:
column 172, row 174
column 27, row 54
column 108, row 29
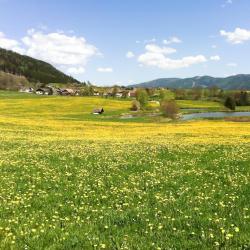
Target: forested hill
column 232, row 82
column 34, row 70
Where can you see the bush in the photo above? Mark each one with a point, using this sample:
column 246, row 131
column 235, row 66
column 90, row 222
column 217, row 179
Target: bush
column 142, row 97
column 135, row 106
column 230, row 103
column 170, row 109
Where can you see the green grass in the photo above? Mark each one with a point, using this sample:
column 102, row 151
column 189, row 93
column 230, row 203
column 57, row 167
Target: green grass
column 243, row 108
column 69, row 180
column 59, row 107
column 199, row 104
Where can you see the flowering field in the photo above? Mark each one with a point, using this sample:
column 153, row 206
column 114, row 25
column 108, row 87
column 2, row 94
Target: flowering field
column 72, row 180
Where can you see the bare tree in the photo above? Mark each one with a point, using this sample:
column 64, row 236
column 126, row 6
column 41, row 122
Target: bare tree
column 170, row 109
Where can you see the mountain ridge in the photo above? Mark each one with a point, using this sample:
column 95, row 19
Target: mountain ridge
column 240, row 81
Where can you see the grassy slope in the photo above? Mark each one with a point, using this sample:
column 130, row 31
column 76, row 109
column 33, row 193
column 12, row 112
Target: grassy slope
column 70, row 181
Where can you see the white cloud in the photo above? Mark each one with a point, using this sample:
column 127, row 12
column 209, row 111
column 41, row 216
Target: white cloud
column 214, row 46
column 75, row 70
column 59, row 49
column 157, row 56
column 130, row 54
column 237, row 36
column 153, row 48
column 172, row 39
column 69, row 53
column 232, row 64
column 10, row 44
column 105, row 70
column 215, row 58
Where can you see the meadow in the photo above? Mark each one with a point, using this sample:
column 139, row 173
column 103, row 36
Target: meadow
column 73, row 180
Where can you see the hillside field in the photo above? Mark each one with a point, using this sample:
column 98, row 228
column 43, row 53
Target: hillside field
column 73, row 180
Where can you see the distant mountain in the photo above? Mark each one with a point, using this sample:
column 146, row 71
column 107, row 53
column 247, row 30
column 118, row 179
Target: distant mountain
column 232, row 82
column 34, row 70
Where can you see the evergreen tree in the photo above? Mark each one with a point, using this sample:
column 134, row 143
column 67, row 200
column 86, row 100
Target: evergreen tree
column 243, row 99
column 230, row 103
column 34, row 70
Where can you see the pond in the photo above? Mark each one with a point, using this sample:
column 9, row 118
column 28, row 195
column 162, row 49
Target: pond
column 213, row 115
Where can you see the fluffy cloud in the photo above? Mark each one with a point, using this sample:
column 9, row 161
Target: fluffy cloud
column 173, row 39
column 130, row 54
column 153, row 48
column 237, row 36
column 75, row 70
column 105, row 70
column 10, row 44
column 58, row 48
column 69, row 53
column 157, row 56
column 215, row 58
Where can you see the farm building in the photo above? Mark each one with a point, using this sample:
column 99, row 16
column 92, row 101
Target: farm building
column 26, row 90
column 68, row 92
column 96, row 93
column 98, row 111
column 119, row 94
column 132, row 93
column 44, row 91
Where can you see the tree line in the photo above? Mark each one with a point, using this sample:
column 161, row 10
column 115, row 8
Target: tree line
column 170, row 108
column 34, row 70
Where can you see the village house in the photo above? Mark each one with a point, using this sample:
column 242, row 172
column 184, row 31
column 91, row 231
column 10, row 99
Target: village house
column 110, row 92
column 44, row 91
column 132, row 93
column 55, row 91
column 119, row 94
column 26, row 90
column 67, row 92
column 96, row 93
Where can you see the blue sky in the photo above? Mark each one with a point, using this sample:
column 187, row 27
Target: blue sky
column 90, row 39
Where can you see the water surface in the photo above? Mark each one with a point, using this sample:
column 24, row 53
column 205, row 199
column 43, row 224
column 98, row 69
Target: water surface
column 213, row 115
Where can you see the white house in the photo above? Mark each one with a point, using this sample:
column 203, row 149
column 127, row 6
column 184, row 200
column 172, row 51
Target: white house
column 26, row 90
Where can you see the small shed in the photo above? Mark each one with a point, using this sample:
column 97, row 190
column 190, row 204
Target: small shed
column 98, row 111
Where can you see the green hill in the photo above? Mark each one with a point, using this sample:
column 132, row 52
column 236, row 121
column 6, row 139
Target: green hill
column 232, row 82
column 32, row 69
